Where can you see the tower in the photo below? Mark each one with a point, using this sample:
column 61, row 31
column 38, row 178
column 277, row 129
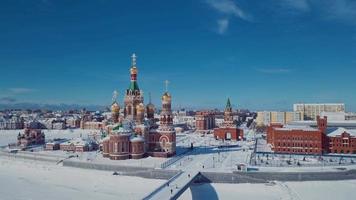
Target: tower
column 228, row 117
column 133, row 95
column 150, row 108
column 115, row 108
column 167, row 139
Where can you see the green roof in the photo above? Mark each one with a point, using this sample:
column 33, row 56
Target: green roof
column 117, row 127
column 134, row 86
column 228, row 104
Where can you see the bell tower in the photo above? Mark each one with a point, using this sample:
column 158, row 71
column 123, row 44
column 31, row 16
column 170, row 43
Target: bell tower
column 167, row 139
column 133, row 95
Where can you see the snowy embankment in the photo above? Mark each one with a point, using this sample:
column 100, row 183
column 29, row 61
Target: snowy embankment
column 10, row 136
column 24, row 179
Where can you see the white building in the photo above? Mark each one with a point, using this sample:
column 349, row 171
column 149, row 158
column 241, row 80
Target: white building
column 311, row 110
column 334, row 116
column 268, row 117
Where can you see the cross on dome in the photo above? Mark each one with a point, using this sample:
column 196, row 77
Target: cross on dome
column 114, row 95
column 166, row 83
column 133, row 57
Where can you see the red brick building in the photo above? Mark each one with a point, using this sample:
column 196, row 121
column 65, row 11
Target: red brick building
column 137, row 135
column 30, row 137
column 228, row 130
column 204, row 120
column 342, row 141
column 298, row 139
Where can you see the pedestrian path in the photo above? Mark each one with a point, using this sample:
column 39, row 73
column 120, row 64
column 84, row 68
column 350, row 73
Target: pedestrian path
column 174, row 187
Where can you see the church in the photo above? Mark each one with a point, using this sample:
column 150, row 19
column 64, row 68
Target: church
column 136, row 133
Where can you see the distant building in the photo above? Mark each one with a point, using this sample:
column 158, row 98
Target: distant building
column 334, row 116
column 228, row 130
column 33, row 124
column 92, row 125
column 78, row 145
column 298, row 139
column 312, row 110
column 350, row 116
column 204, row 120
column 11, row 122
column 268, row 117
column 54, row 144
column 30, row 137
column 59, row 125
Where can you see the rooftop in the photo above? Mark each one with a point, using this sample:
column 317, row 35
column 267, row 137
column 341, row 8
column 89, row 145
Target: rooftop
column 340, row 131
column 296, row 127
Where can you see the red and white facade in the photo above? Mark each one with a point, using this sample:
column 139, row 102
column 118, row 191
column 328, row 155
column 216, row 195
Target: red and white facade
column 204, row 120
column 135, row 135
column 342, row 141
column 228, row 130
column 308, row 140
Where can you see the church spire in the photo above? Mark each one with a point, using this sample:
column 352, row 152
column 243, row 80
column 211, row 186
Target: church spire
column 166, row 82
column 228, row 104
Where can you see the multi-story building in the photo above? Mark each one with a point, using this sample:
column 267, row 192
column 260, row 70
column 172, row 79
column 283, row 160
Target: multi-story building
column 334, row 116
column 350, row 116
column 78, row 145
column 11, row 122
column 229, row 129
column 298, row 139
column 306, row 140
column 342, row 141
column 58, row 125
column 312, row 110
column 73, row 122
column 268, row 117
column 204, row 120
column 92, row 125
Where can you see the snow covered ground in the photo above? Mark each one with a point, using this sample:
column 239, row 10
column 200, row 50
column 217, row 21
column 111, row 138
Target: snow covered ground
column 313, row 190
column 26, row 180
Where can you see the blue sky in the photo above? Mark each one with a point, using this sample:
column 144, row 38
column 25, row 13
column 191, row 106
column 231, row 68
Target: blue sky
column 262, row 54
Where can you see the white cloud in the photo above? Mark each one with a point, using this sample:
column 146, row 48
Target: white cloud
column 228, row 7
column 341, row 10
column 344, row 10
column 222, row 25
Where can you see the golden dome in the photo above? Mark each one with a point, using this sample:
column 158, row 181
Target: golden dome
column 133, row 70
column 115, row 108
column 140, row 107
column 166, row 97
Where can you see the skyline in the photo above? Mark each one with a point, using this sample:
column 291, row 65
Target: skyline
column 265, row 55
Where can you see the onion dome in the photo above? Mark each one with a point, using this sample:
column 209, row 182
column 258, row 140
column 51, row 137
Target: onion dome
column 140, row 108
column 166, row 97
column 115, row 108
